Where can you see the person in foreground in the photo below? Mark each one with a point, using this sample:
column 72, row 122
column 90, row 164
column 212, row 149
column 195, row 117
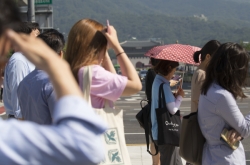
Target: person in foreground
column 165, row 70
column 74, row 137
column 226, row 75
column 35, row 92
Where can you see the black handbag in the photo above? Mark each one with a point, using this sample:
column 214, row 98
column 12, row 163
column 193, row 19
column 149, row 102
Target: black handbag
column 144, row 119
column 169, row 126
column 143, row 114
column 192, row 139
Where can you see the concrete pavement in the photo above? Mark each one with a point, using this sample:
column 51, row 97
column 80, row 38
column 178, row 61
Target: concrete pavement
column 140, row 156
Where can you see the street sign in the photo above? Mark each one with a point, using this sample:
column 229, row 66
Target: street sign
column 43, row 16
column 43, row 2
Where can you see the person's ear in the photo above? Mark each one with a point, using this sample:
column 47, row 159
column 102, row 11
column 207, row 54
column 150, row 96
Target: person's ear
column 61, row 54
column 208, row 56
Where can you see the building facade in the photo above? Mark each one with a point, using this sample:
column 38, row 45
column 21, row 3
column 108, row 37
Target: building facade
column 136, row 50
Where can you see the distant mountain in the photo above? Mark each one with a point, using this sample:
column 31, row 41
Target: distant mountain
column 188, row 21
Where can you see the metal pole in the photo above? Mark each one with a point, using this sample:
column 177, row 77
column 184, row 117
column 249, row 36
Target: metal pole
column 31, row 10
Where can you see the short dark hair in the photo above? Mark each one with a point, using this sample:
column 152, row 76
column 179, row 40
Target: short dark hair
column 164, row 67
column 53, row 39
column 228, row 68
column 209, row 48
column 154, row 61
column 22, row 27
column 9, row 15
column 33, row 25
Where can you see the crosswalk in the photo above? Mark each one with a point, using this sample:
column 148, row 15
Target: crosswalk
column 141, row 95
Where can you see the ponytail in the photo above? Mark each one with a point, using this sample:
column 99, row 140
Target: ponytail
column 196, row 56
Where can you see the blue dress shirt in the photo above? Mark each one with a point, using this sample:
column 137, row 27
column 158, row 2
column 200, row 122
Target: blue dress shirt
column 218, row 109
column 73, row 139
column 36, row 97
column 154, row 104
column 17, row 68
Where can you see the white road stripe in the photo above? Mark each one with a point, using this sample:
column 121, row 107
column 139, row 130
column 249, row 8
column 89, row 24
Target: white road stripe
column 135, row 95
column 130, row 99
column 130, row 114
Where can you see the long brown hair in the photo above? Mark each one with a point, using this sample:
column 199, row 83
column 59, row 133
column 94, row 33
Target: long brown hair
column 228, row 68
column 85, row 42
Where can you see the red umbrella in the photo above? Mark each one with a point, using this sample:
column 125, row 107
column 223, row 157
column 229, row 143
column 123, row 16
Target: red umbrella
column 174, row 52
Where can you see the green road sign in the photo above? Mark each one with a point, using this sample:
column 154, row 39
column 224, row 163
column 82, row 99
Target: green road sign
column 43, row 2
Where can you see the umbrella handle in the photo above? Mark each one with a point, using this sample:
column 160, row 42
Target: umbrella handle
column 182, row 79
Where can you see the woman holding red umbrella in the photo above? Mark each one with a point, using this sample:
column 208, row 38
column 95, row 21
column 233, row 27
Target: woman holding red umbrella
column 165, row 70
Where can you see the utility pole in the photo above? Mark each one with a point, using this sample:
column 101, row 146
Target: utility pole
column 31, row 10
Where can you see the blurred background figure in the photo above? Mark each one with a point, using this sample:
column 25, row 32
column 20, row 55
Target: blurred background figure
column 16, row 69
column 35, row 92
column 34, row 27
column 149, row 79
column 1, row 83
column 203, row 57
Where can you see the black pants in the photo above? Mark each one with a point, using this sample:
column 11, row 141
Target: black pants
column 11, row 117
column 1, row 94
column 169, row 154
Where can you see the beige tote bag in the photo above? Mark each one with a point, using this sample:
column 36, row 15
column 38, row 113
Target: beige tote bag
column 116, row 152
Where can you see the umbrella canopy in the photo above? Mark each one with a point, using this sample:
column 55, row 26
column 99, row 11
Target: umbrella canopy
column 174, row 52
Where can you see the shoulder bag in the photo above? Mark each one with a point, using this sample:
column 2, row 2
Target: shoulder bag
column 169, row 126
column 116, row 152
column 192, row 139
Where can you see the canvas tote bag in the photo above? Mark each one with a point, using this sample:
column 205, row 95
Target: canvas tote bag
column 116, row 152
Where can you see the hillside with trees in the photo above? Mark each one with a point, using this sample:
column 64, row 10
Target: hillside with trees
column 170, row 20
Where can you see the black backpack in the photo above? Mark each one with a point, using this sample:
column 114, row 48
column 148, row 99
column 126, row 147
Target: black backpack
column 144, row 119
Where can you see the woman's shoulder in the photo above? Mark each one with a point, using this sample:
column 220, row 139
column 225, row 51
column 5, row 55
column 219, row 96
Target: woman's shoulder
column 94, row 68
column 99, row 73
column 216, row 94
column 200, row 72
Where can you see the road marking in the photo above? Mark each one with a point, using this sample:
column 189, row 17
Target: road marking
column 243, row 106
column 129, row 114
column 138, row 98
column 135, row 95
column 130, row 99
column 186, row 110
